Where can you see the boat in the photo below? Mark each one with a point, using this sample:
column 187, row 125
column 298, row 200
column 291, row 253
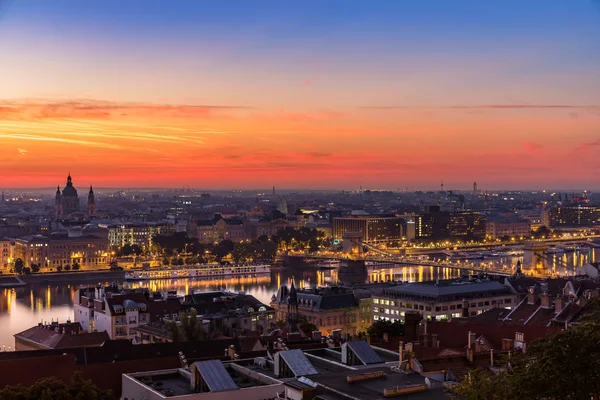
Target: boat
column 329, row 264
column 203, row 270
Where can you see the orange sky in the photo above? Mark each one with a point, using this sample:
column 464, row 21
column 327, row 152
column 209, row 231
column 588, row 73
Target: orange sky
column 126, row 144
column 235, row 94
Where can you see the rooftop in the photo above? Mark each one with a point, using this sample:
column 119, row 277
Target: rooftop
column 447, row 288
column 374, row 388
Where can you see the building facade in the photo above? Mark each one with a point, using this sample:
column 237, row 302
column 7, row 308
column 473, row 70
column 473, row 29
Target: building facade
column 86, row 250
column 512, row 226
column 140, row 235
column 373, row 228
column 447, row 299
column 578, row 215
column 6, row 255
column 328, row 309
column 439, row 225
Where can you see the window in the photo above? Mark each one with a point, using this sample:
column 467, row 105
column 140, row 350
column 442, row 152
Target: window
column 453, row 307
column 445, row 308
column 438, row 309
column 507, row 301
column 480, row 304
column 376, row 301
column 487, row 303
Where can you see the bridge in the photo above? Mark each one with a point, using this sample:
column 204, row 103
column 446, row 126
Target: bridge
column 382, row 257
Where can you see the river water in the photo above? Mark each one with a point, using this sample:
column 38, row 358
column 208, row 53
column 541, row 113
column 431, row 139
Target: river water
column 22, row 308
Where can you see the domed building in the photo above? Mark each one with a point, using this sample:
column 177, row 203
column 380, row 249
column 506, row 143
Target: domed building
column 67, row 202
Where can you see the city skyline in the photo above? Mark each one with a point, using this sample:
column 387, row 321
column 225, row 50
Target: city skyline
column 303, row 95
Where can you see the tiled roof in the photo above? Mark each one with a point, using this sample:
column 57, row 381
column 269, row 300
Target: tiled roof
column 63, row 336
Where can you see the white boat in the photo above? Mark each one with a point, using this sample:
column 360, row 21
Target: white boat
column 203, row 270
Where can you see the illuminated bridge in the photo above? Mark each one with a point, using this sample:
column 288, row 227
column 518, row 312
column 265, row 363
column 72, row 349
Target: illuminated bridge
column 378, row 256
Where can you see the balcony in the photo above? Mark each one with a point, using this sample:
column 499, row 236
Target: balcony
column 120, row 322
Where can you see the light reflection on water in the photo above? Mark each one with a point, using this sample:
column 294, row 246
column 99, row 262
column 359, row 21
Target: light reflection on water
column 24, row 307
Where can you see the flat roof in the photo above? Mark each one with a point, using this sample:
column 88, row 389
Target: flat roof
column 373, row 389
column 445, row 289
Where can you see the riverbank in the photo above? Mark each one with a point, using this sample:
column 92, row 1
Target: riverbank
column 69, row 277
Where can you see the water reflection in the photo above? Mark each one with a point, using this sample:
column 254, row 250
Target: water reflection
column 22, row 308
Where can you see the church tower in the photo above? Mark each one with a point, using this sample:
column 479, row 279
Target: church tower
column 293, row 309
column 58, row 203
column 91, row 202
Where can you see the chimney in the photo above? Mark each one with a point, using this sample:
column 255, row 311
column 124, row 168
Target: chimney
column 507, row 344
column 491, row 357
column 559, row 305
column 531, row 295
column 471, row 340
column 368, row 339
column 424, row 340
column 434, row 340
column 401, row 351
column 545, row 300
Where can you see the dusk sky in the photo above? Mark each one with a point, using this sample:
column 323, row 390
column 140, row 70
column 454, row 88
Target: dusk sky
column 300, row 94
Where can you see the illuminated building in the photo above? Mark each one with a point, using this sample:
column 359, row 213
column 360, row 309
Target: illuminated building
column 140, row 234
column 373, row 228
column 6, row 254
column 511, row 226
column 89, row 250
column 444, row 299
column 573, row 216
column 436, row 225
column 328, row 308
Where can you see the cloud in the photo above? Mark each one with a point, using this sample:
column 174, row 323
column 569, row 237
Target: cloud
column 22, row 151
column 104, row 109
column 588, row 145
column 484, row 107
column 532, row 147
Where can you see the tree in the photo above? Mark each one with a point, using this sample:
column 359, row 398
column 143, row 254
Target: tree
column 223, row 249
column 307, row 328
column 59, row 268
column 55, row 389
column 188, row 329
column 26, row 271
column 76, row 266
column 381, row 327
column 19, row 264
column 180, row 261
column 540, row 373
column 35, row 268
column 67, row 267
column 165, row 261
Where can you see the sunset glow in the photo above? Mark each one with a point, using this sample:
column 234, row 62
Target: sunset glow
column 239, row 95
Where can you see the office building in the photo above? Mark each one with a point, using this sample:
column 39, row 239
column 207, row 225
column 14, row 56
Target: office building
column 373, row 228
column 442, row 300
column 576, row 215
column 439, row 225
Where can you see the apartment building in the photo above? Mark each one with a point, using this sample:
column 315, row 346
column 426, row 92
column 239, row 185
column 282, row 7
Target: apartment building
column 442, row 300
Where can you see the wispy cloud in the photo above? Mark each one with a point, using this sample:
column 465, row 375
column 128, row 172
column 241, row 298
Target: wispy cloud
column 532, row 147
column 588, row 145
column 484, row 107
column 104, row 109
column 22, row 151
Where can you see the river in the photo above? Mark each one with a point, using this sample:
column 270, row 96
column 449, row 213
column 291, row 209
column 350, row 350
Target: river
column 24, row 307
